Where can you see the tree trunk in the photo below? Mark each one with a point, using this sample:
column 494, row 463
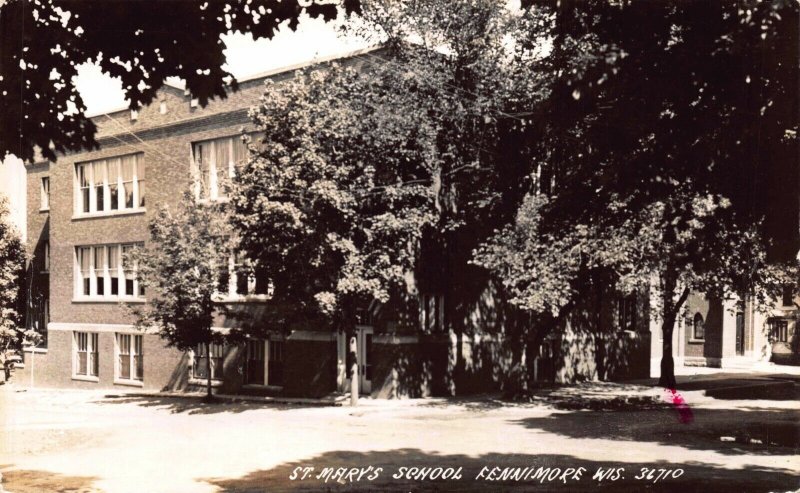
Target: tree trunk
column 354, row 370
column 209, row 397
column 667, row 378
column 670, row 314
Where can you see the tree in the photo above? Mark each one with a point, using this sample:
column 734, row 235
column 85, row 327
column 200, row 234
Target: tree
column 181, row 268
column 42, row 42
column 671, row 129
column 12, row 270
column 334, row 204
column 363, row 169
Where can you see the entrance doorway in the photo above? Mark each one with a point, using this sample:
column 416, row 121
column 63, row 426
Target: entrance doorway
column 364, row 335
column 740, row 334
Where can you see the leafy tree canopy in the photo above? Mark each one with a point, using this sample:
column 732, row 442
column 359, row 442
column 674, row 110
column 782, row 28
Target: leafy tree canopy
column 42, row 42
column 180, row 268
column 12, row 270
column 361, row 167
column 670, row 137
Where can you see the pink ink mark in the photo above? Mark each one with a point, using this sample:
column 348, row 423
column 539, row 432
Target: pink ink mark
column 685, row 414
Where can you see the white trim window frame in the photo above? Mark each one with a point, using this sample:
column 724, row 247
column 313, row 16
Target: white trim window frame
column 101, row 274
column 114, row 185
column 44, row 199
column 256, row 287
column 129, row 358
column 208, row 165
column 85, row 364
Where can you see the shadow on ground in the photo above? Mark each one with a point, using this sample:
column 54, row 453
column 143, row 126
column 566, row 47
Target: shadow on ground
column 195, row 405
column 27, row 481
column 728, row 431
column 696, row 477
column 596, row 396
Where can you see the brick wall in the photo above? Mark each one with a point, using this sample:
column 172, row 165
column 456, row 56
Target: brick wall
column 164, row 368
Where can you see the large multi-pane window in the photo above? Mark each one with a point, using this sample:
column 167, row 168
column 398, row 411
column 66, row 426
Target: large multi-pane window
column 214, row 165
column 103, row 272
column 85, row 344
column 201, row 357
column 110, row 185
column 242, row 279
column 130, row 357
column 265, row 362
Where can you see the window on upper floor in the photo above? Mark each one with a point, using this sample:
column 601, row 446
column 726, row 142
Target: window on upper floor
column 44, row 199
column 110, row 186
column 214, row 163
column 242, row 279
column 788, row 295
column 102, row 273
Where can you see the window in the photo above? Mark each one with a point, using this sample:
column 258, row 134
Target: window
column 214, row 164
column 46, row 256
column 130, row 357
column 45, row 194
column 265, row 366
column 779, row 330
column 132, row 286
column 200, row 369
column 788, row 295
column 626, row 313
column 698, row 327
column 86, row 354
column 101, row 272
column 432, row 312
column 110, row 185
column 242, row 279
column 275, row 363
column 255, row 362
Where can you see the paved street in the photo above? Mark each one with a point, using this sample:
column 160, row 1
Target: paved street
column 76, row 441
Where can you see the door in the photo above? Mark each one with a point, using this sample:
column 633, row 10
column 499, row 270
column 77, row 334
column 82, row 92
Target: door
column 365, row 359
column 363, row 335
column 740, row 334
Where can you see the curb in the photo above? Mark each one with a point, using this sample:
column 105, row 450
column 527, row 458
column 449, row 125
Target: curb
column 332, row 402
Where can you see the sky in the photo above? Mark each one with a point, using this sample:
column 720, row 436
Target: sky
column 245, row 56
